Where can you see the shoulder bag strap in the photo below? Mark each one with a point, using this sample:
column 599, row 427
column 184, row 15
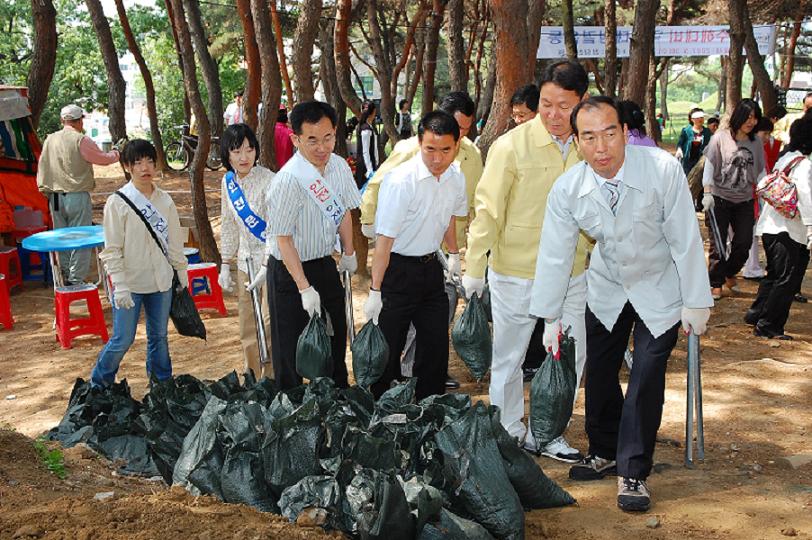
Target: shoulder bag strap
column 146, row 224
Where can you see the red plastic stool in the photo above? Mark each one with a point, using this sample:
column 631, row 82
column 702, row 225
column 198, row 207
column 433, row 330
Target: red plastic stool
column 10, row 266
column 5, row 305
column 212, row 296
column 67, row 328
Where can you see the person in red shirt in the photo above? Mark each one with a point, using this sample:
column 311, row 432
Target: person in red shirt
column 282, row 143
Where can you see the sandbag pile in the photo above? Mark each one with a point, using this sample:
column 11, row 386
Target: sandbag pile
column 440, row 468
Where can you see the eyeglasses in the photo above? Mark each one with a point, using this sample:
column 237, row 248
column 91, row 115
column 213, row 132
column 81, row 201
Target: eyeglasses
column 312, row 144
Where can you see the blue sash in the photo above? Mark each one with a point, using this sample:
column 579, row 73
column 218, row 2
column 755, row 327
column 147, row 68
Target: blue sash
column 255, row 224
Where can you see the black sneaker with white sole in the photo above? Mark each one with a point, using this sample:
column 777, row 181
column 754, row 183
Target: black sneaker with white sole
column 632, row 495
column 593, row 467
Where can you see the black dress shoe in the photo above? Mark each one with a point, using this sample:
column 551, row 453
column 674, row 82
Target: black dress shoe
column 452, row 383
column 763, row 332
column 751, row 317
column 801, row 299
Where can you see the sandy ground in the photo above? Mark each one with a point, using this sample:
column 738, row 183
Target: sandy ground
column 757, row 413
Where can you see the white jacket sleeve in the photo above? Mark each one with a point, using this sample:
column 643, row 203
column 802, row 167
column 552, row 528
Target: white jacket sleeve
column 366, row 136
column 707, row 174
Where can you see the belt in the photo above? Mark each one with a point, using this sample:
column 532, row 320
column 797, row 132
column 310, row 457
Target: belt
column 422, row 259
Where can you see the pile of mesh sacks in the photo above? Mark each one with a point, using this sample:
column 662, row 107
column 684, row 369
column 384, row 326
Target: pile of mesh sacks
column 439, row 468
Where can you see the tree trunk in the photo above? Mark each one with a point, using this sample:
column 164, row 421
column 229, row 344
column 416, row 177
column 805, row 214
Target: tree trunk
column 761, row 77
column 610, row 66
column 722, row 92
column 115, row 81
column 208, row 67
column 384, row 70
column 408, row 48
column 664, row 92
column 642, row 44
column 512, row 68
column 280, row 51
column 457, row 72
column 342, row 55
column 303, row 38
column 208, row 246
column 789, row 53
column 535, row 18
column 253, row 75
column 420, row 47
column 485, row 95
column 430, row 60
column 152, row 110
column 568, row 22
column 43, row 59
column 735, row 60
column 170, row 12
column 271, row 82
column 329, row 80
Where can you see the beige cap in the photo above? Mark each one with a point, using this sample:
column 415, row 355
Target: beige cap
column 72, row 112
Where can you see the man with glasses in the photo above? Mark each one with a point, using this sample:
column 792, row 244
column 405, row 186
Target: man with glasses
column 308, row 203
column 524, row 104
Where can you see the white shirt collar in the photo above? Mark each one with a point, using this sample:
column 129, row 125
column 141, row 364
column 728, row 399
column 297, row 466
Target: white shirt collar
column 600, row 180
column 423, row 172
column 563, row 146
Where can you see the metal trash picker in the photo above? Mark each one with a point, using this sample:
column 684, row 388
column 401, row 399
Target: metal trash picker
column 256, row 302
column 347, row 282
column 694, row 403
column 723, row 247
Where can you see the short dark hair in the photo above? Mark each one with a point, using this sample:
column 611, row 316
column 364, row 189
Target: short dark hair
column 311, row 112
column 778, row 112
column 692, row 111
column 593, row 103
column 807, row 96
column 740, row 115
column 402, row 102
column 439, row 123
column 764, row 124
column 233, row 137
column 800, row 135
column 567, row 74
column 632, row 115
column 713, row 120
column 527, row 95
column 136, row 149
column 282, row 115
column 458, row 102
column 238, row 93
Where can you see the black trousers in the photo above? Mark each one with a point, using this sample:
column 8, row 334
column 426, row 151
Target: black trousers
column 413, row 291
column 618, row 428
column 786, row 266
column 739, row 217
column 288, row 317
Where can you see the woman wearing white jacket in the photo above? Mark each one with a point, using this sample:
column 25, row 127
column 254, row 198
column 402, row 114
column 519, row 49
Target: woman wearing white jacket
column 786, row 241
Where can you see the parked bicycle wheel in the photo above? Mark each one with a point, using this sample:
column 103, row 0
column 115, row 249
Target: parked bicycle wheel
column 177, row 157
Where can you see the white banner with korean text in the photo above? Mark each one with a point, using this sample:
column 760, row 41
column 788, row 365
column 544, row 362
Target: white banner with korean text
column 668, row 41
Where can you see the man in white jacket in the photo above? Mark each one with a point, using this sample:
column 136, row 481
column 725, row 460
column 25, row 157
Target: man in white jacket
column 647, row 273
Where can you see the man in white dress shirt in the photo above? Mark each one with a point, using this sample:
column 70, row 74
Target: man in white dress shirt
column 647, row 273
column 417, row 209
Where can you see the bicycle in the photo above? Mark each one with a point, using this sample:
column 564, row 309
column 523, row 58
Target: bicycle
column 179, row 153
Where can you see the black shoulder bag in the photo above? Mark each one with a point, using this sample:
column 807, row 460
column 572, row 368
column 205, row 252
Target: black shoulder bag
column 183, row 312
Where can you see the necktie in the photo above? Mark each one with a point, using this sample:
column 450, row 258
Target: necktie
column 612, row 193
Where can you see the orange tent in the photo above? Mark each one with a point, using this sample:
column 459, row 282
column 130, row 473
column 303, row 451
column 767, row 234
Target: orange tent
column 19, row 153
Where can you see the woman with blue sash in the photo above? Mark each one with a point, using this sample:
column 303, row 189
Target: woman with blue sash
column 242, row 233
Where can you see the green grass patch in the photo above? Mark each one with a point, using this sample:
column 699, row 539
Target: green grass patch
column 53, row 460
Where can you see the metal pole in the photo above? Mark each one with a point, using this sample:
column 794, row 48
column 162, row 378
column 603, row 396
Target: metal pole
column 694, row 403
column 717, row 235
column 689, row 410
column 700, row 424
column 346, row 278
column 256, row 302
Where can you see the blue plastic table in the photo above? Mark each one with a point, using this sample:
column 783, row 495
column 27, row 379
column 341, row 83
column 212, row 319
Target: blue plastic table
column 66, row 239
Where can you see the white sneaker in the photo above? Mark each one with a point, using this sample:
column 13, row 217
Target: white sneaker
column 560, row 450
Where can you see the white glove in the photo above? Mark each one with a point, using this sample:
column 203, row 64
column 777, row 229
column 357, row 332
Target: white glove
column 678, row 154
column 472, row 285
column 368, row 230
column 373, row 306
column 695, row 319
column 311, row 301
column 707, row 202
column 258, row 280
column 552, row 331
column 122, row 298
column 454, row 264
column 183, row 277
column 348, row 263
column 809, row 237
column 224, row 279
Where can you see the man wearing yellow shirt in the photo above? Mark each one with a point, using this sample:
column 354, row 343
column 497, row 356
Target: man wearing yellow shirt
column 509, row 204
column 462, row 108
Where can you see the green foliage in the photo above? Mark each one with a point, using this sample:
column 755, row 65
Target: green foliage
column 53, row 460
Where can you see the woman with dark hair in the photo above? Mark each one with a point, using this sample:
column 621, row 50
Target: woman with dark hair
column 367, row 144
column 242, row 233
column 635, row 121
column 786, row 240
column 143, row 248
column 692, row 140
column 404, row 123
column 734, row 162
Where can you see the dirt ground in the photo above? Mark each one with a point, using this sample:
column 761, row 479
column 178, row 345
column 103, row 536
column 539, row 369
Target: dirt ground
column 758, row 413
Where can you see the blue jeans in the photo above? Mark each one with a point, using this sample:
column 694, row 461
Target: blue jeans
column 156, row 308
